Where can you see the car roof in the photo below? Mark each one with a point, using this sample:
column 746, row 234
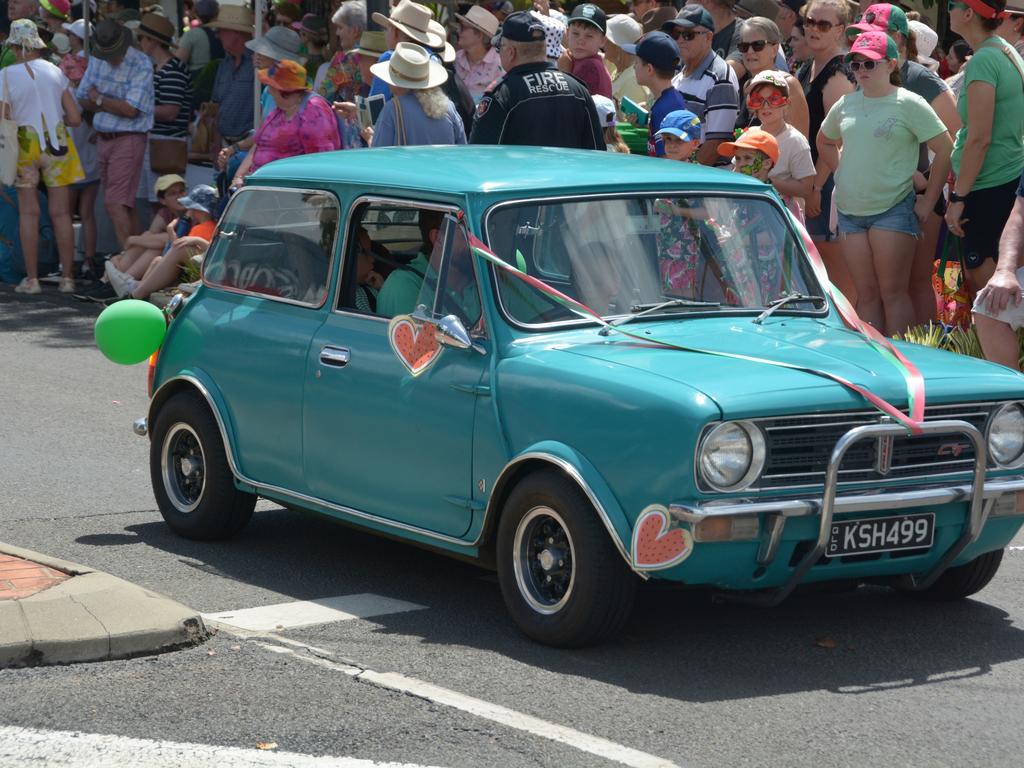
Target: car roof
column 482, row 169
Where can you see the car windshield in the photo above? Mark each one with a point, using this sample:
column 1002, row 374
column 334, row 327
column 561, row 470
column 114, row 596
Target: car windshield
column 660, row 255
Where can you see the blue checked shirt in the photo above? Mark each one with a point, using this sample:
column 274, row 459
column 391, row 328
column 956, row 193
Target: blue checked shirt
column 131, row 81
column 232, row 90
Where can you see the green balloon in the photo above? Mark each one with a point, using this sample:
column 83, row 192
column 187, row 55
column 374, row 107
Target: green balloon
column 130, row 331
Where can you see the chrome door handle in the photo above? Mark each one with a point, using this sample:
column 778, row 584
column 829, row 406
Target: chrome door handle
column 336, row 357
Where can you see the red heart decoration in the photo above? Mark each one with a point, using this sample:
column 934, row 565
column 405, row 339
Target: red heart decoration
column 416, row 345
column 655, row 544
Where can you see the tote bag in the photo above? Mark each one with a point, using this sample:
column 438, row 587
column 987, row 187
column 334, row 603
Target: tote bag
column 8, row 142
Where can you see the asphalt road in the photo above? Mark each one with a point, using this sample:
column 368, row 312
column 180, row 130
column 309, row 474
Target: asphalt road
column 855, row 678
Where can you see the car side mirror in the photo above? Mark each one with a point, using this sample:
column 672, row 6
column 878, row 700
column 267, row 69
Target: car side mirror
column 452, row 333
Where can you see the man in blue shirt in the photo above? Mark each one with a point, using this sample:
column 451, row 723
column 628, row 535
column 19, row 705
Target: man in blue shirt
column 118, row 89
column 233, row 85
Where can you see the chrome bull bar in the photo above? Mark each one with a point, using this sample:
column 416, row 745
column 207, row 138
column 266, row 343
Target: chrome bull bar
column 829, row 505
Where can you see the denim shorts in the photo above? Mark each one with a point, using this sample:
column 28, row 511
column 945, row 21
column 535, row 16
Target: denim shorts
column 818, row 226
column 899, row 218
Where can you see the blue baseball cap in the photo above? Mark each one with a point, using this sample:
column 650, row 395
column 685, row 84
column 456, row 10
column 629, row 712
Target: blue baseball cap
column 682, row 123
column 691, row 16
column 656, row 49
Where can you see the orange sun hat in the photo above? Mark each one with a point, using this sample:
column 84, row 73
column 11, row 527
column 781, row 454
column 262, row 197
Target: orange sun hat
column 752, row 138
column 285, row 76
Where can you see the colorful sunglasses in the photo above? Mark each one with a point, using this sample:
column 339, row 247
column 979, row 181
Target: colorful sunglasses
column 867, row 65
column 756, row 100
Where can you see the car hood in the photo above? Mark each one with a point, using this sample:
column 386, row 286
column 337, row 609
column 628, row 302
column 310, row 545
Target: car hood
column 747, row 387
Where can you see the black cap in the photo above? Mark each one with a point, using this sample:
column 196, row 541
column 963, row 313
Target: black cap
column 590, row 14
column 656, row 48
column 521, row 27
column 691, row 16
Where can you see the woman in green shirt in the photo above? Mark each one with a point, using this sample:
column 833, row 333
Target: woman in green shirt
column 988, row 154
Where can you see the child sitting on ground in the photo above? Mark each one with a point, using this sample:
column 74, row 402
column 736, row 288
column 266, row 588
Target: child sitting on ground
column 584, row 39
column 164, row 271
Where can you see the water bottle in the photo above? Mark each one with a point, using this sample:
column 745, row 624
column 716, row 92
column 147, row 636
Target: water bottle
column 182, row 226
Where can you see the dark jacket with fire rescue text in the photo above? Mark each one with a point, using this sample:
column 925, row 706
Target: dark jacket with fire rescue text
column 539, row 105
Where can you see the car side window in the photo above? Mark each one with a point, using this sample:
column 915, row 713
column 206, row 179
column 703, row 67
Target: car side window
column 276, row 242
column 450, row 287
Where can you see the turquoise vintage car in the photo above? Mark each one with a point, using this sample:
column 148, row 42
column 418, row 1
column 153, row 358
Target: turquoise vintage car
column 692, row 434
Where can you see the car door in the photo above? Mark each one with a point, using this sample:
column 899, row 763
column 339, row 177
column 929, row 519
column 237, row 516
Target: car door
column 267, row 276
column 388, row 413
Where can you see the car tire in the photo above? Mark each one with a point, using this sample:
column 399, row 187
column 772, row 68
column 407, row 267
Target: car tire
column 563, row 580
column 963, row 580
column 192, row 480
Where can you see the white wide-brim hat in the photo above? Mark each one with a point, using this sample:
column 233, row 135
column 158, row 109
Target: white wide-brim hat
column 414, row 20
column 481, row 19
column 410, row 66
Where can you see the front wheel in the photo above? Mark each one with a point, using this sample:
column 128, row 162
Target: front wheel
column 963, row 580
column 192, row 480
column 563, row 580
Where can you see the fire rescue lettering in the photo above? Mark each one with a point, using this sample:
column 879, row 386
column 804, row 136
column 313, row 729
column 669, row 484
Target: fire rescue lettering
column 546, row 82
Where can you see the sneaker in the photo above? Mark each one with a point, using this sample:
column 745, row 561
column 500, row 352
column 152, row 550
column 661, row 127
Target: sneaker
column 96, row 292
column 67, row 285
column 122, row 283
column 28, row 286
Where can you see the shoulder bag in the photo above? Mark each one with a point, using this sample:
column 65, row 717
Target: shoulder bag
column 8, row 140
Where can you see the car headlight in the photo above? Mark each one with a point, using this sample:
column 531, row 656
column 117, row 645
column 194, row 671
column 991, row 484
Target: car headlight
column 1006, row 435
column 731, row 455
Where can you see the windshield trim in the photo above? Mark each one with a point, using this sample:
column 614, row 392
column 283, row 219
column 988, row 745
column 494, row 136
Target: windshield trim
column 635, row 193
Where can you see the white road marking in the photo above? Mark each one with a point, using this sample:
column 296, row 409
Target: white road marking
column 594, row 745
column 304, row 613
column 72, row 749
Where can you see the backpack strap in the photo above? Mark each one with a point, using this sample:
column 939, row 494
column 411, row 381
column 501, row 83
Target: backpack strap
column 1005, row 48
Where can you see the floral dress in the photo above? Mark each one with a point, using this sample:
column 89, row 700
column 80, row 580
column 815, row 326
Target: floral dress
column 343, row 82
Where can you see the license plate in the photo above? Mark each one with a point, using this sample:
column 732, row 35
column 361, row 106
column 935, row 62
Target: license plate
column 880, row 534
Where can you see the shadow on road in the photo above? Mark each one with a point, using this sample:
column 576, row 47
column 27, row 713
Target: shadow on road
column 678, row 644
column 53, row 319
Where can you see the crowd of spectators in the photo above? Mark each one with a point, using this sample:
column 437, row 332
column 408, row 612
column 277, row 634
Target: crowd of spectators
column 886, row 146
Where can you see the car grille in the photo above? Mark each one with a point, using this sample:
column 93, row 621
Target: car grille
column 799, row 448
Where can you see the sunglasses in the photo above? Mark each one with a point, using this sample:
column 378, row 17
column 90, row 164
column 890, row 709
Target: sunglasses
column 867, row 65
column 819, row 24
column 684, row 34
column 756, row 100
column 757, row 45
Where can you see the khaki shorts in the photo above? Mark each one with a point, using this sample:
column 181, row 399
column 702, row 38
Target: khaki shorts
column 1012, row 316
column 34, row 162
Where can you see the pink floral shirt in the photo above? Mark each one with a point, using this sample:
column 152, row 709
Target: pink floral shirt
column 313, row 129
column 479, row 77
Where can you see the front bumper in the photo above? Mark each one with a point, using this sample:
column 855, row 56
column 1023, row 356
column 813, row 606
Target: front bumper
column 979, row 494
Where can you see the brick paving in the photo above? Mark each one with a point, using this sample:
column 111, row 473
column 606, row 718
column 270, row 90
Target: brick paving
column 21, row 578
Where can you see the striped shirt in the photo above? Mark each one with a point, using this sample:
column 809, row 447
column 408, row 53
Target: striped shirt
column 171, row 85
column 131, row 81
column 712, row 93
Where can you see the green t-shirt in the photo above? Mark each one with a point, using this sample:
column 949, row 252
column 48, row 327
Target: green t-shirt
column 881, row 137
column 6, row 57
column 1005, row 157
column 399, row 293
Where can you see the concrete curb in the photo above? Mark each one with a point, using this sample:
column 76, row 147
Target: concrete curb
column 91, row 617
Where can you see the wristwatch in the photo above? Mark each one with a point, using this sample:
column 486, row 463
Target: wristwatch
column 955, row 198
column 99, row 101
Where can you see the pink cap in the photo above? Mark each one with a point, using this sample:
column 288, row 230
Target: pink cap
column 59, row 8
column 873, row 45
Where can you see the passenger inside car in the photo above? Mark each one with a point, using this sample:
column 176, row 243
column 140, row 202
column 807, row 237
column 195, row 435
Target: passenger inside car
column 400, row 291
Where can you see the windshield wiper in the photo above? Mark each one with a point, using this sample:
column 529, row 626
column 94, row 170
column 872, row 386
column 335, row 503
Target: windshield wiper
column 639, row 310
column 782, row 301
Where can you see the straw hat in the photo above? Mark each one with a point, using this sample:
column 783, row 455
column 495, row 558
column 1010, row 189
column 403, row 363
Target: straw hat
column 236, row 17
column 414, row 20
column 481, row 19
column 411, row 67
column 372, row 44
column 157, row 27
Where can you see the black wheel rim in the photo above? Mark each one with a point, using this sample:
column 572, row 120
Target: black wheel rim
column 544, row 560
column 183, row 466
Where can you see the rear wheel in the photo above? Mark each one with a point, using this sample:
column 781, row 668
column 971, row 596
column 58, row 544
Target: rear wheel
column 563, row 580
column 191, row 477
column 963, row 580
